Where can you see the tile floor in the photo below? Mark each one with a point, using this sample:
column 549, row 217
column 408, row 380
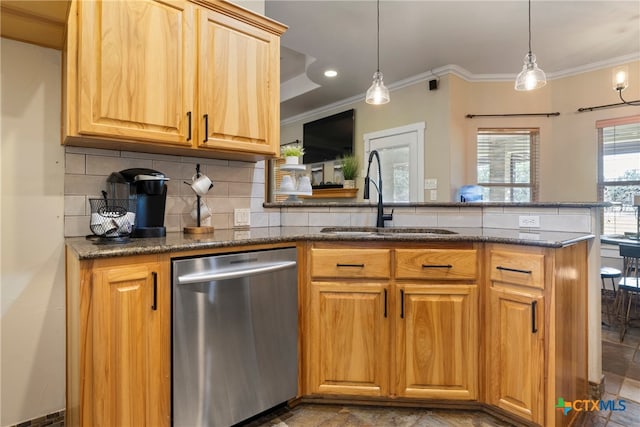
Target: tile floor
column 621, row 367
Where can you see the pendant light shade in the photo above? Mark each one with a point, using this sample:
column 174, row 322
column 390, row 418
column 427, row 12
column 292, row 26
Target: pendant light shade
column 531, row 77
column 378, row 93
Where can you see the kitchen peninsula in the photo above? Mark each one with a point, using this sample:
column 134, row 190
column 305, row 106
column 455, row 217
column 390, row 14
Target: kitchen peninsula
column 517, row 283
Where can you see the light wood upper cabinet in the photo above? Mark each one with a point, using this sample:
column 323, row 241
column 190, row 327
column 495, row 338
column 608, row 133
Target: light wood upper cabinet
column 41, row 22
column 135, row 70
column 175, row 77
column 118, row 342
column 239, row 85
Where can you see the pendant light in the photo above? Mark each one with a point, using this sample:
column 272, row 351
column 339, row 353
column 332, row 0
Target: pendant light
column 378, row 93
column 531, row 77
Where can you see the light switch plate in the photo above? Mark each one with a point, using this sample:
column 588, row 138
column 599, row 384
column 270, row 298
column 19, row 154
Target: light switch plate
column 430, row 183
column 241, row 217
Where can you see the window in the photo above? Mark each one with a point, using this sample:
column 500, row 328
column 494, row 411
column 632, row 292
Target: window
column 507, row 164
column 619, row 172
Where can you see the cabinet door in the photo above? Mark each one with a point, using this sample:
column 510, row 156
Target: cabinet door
column 136, row 70
column 349, row 333
column 516, row 353
column 437, row 341
column 238, row 86
column 129, row 382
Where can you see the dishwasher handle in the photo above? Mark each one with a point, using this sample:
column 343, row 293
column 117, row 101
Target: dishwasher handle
column 234, row 274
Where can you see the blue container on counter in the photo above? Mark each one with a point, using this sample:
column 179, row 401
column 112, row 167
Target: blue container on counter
column 470, row 193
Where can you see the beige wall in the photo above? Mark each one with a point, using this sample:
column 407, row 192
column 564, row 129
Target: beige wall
column 31, row 224
column 568, row 151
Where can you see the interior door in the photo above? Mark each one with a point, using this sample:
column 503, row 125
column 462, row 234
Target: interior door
column 402, row 157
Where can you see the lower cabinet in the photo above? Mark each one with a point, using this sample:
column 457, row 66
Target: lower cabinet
column 516, row 342
column 437, row 341
column 349, row 326
column 492, row 324
column 378, row 330
column 118, row 342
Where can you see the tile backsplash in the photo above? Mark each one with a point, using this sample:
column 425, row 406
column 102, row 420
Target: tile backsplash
column 236, row 185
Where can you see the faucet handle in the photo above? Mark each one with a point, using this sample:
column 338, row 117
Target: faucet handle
column 389, row 216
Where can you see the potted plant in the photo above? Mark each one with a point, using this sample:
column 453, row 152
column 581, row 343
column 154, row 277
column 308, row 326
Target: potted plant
column 350, row 167
column 292, row 153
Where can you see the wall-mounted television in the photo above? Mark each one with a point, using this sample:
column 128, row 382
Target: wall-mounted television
column 328, row 138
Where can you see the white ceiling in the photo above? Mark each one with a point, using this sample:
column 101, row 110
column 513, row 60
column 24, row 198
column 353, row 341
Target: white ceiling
column 487, row 39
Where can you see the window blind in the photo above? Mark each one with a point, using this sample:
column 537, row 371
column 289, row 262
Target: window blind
column 507, row 164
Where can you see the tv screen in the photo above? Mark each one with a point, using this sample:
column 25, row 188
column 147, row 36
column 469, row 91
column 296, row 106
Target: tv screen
column 328, row 138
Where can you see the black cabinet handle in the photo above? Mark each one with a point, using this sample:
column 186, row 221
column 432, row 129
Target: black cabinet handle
column 350, row 265
column 534, row 306
column 155, row 291
column 513, row 270
column 206, row 128
column 385, row 303
column 189, row 124
column 437, row 266
column 401, row 304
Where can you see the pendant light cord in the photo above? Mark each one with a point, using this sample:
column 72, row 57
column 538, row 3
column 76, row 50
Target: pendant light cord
column 529, row 27
column 378, row 3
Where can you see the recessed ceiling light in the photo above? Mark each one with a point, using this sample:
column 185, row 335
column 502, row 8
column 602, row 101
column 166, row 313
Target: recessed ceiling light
column 330, row 73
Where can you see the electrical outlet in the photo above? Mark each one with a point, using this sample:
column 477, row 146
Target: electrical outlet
column 433, row 194
column 530, row 221
column 241, row 217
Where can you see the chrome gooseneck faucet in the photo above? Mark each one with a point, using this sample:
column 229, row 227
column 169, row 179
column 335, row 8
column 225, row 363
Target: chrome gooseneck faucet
column 382, row 217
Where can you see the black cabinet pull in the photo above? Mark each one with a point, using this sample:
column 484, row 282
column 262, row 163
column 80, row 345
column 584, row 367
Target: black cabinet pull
column 401, row 304
column 534, row 306
column 350, row 265
column 206, row 128
column 513, row 270
column 437, row 266
column 155, row 291
column 385, row 303
column 189, row 124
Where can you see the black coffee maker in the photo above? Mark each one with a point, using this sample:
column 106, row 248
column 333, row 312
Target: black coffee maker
column 149, row 188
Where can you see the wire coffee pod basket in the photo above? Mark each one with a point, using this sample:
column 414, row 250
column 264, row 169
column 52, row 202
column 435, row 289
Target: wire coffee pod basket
column 112, row 219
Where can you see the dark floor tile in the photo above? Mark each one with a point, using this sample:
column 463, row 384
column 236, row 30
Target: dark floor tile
column 592, row 419
column 616, row 357
column 633, row 371
column 612, row 383
column 630, row 416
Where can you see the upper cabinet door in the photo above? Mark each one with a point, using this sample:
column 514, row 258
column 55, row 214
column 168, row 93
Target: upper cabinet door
column 136, row 70
column 238, row 85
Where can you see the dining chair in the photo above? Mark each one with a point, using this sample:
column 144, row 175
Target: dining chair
column 608, row 296
column 628, row 287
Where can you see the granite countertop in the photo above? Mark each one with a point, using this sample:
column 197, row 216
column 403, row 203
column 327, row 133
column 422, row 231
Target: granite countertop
column 89, row 248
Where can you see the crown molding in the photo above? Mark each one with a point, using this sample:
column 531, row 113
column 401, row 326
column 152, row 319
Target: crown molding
column 465, row 75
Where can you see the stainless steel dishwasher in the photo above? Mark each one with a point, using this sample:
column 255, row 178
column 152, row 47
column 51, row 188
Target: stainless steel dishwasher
column 235, row 329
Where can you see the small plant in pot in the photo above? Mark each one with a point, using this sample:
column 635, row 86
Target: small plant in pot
column 292, row 153
column 350, row 167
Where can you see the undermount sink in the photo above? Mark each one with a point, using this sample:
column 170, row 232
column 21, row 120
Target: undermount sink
column 376, row 231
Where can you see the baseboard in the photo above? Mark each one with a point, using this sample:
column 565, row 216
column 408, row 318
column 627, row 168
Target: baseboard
column 54, row 419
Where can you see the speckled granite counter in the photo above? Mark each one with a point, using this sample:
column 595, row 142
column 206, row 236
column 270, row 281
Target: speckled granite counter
column 178, row 242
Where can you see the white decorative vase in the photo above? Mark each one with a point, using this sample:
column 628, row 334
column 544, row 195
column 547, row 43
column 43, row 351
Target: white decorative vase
column 349, row 183
column 292, row 160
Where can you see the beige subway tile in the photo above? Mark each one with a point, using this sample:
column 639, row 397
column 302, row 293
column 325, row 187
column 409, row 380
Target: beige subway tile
column 75, row 205
column 74, row 163
column 84, row 184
